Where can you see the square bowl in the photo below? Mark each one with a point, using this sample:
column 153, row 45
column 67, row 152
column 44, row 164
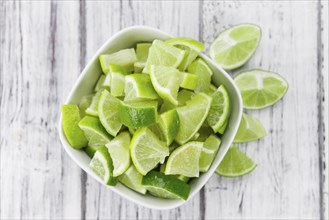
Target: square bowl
column 127, row 38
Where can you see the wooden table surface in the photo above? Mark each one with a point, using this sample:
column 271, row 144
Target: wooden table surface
column 44, row 47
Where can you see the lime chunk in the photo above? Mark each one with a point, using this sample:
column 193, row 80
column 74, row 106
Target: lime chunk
column 163, row 186
column 200, row 68
column 132, row 179
column 192, row 116
column 250, row 129
column 184, row 160
column 166, row 82
column 208, row 153
column 139, row 87
column 108, row 110
column 85, row 103
column 233, row 47
column 142, row 51
column 188, row 80
column 260, row 88
column 102, row 165
column 99, row 83
column 125, row 58
column 235, row 164
column 138, row 114
column 70, row 120
column 118, row 74
column 147, row 151
column 192, row 48
column 220, row 110
column 163, row 54
column 119, row 151
column 94, row 132
column 93, row 107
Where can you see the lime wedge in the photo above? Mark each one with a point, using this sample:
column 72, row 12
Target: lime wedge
column 185, row 179
column 250, row 129
column 235, row 164
column 188, row 80
column 99, row 83
column 142, row 51
column 85, row 103
column 133, row 179
column 184, row 160
column 163, row 186
column 94, row 132
column 260, row 89
column 163, row 54
column 191, row 116
column 208, row 153
column 139, row 87
column 108, row 110
column 118, row 74
column 119, row 151
column 70, row 120
column 233, row 47
column 165, row 82
column 192, row 48
column 220, row 110
column 200, row 68
column 125, row 58
column 147, row 151
column 102, row 165
column 138, row 67
column 93, row 107
column 138, row 114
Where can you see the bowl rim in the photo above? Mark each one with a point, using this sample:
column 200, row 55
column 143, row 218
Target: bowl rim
column 81, row 77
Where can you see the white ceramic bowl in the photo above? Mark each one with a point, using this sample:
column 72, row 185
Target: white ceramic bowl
column 128, row 38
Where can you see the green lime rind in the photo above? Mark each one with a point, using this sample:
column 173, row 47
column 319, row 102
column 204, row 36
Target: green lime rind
column 125, row 58
column 102, row 165
column 260, row 89
column 164, row 186
column 133, row 179
column 250, row 129
column 94, row 131
column 139, row 87
column 208, row 153
column 200, row 68
column 72, row 131
column 235, row 164
column 138, row 114
column 234, row 46
column 188, row 80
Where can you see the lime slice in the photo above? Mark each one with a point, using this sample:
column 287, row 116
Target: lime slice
column 147, row 151
column 191, row 116
column 163, row 54
column 200, row 68
column 142, row 51
column 133, row 179
column 99, row 83
column 93, row 107
column 220, row 110
column 125, row 58
column 119, row 151
column 139, row 87
column 94, row 131
column 163, row 186
column 192, row 48
column 167, row 127
column 208, row 153
column 138, row 114
column 260, row 89
column 102, row 165
column 70, row 120
column 118, row 74
column 85, row 103
column 138, row 67
column 184, row 160
column 188, row 80
column 233, row 47
column 182, row 97
column 165, row 82
column 235, row 164
column 108, row 110
column 250, row 129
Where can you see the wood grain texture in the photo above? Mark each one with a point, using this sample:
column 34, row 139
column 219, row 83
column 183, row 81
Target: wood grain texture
column 43, row 48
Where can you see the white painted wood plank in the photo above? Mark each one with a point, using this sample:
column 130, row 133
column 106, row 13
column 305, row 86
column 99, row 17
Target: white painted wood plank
column 286, row 182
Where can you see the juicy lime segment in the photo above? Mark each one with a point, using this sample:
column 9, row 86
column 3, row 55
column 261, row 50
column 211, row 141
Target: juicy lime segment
column 139, row 87
column 93, row 107
column 125, row 58
column 208, row 153
column 133, row 179
column 200, row 68
column 260, row 89
column 250, row 129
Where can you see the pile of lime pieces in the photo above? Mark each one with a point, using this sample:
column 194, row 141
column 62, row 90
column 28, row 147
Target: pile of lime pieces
column 155, row 120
